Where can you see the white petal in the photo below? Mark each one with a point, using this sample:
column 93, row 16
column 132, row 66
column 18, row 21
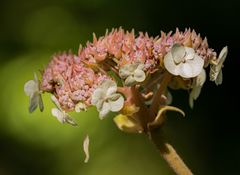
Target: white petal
column 130, row 81
column 219, row 78
column 112, row 89
column 58, row 114
column 105, row 110
column 222, row 56
column 192, row 68
column 30, row 87
column 197, row 64
column 169, row 64
column 86, row 148
column 178, row 53
column 99, row 104
column 98, row 95
column 201, row 78
column 80, row 107
column 55, row 101
column 185, row 70
column 140, row 66
column 34, row 101
column 190, row 53
column 106, row 84
column 194, row 95
column 124, row 71
column 40, row 103
column 139, row 75
column 117, row 104
column 69, row 120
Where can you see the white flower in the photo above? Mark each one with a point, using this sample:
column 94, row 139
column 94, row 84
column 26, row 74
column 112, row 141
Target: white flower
column 132, row 73
column 106, row 99
column 86, row 148
column 197, row 86
column 183, row 61
column 61, row 115
column 31, row 89
column 80, row 107
column 216, row 68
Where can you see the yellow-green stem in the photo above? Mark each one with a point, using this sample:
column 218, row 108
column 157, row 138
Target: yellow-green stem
column 169, row 153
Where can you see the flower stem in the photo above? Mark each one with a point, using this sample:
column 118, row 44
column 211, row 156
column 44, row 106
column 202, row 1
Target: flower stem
column 169, row 153
column 157, row 97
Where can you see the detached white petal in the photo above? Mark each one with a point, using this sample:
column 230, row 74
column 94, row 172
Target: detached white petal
column 86, row 148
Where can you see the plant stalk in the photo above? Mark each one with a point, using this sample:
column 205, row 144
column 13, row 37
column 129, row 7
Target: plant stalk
column 168, row 153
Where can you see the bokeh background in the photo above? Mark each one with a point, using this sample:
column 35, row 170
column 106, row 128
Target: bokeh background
column 32, row 30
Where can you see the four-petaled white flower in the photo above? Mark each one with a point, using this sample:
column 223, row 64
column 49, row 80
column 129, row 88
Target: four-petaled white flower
column 31, row 89
column 216, row 68
column 197, row 86
column 132, row 73
column 61, row 115
column 183, row 61
column 106, row 99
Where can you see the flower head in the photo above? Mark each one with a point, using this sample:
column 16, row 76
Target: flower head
column 132, row 73
column 70, row 80
column 183, row 61
column 216, row 68
column 106, row 99
column 31, row 89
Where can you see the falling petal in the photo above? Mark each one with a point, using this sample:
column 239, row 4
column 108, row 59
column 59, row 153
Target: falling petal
column 86, row 148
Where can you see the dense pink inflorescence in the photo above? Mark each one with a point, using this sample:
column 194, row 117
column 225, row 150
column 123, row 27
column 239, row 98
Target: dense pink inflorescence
column 70, row 80
column 127, row 48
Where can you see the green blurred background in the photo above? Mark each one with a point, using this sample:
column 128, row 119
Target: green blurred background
column 32, row 30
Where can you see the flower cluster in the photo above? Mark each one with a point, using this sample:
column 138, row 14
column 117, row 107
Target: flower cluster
column 121, row 70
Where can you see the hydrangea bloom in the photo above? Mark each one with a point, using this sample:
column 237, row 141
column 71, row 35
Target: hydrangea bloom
column 129, row 75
